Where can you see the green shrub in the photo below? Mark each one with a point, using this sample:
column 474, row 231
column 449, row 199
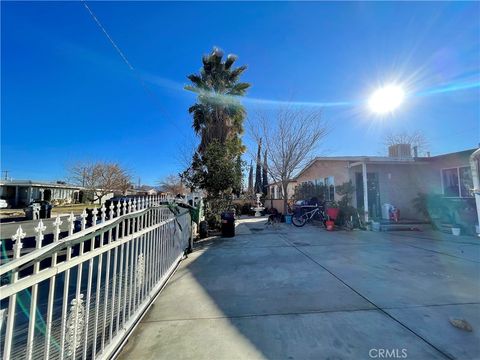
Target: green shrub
column 434, row 206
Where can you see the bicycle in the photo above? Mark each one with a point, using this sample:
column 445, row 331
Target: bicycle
column 318, row 212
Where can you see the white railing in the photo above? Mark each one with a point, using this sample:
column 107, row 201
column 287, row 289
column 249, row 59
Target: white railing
column 79, row 296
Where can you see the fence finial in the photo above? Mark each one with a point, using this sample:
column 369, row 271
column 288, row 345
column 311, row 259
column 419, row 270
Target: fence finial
column 83, row 215
column 94, row 216
column 124, row 207
column 111, row 207
column 56, row 225
column 39, row 237
column 103, row 211
column 17, row 238
column 71, row 223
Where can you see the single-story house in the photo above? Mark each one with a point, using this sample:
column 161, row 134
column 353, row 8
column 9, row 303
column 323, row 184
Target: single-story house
column 395, row 179
column 274, row 197
column 143, row 191
column 19, row 193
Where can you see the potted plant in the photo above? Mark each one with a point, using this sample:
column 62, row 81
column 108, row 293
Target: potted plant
column 329, row 225
column 333, row 211
column 455, row 229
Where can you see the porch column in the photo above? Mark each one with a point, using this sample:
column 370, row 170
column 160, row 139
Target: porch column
column 29, row 195
column 365, row 189
column 16, row 195
column 474, row 159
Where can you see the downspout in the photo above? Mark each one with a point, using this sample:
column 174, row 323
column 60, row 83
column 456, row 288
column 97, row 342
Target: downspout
column 474, row 158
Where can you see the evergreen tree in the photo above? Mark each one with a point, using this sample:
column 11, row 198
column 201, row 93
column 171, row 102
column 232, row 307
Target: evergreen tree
column 258, row 172
column 238, row 181
column 250, row 179
column 265, row 173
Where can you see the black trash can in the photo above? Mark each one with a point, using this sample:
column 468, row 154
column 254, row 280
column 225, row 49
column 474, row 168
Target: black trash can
column 228, row 223
column 203, row 229
column 45, row 210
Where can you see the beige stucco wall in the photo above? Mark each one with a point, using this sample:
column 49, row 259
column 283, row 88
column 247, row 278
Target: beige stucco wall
column 322, row 169
column 290, row 191
column 400, row 184
column 275, row 203
column 448, row 162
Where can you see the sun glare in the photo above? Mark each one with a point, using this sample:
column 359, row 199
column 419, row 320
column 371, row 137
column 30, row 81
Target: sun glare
column 386, row 99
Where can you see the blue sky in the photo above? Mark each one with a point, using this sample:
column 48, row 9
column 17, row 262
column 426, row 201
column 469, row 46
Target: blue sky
column 67, row 95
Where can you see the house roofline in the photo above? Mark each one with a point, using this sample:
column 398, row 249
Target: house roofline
column 467, row 152
column 355, row 159
column 34, row 183
column 279, row 182
column 380, row 159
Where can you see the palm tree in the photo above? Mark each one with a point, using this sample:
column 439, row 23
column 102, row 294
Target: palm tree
column 218, row 113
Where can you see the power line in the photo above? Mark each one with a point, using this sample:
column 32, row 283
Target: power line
column 108, row 37
column 130, row 66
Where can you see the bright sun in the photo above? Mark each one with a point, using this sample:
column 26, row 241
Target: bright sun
column 386, row 99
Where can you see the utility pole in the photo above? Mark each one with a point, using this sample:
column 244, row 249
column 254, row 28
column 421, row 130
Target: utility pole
column 6, row 174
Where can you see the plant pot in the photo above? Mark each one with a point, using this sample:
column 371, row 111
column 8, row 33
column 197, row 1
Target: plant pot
column 455, row 231
column 333, row 213
column 330, row 225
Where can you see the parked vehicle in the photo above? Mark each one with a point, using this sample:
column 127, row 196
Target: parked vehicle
column 3, row 204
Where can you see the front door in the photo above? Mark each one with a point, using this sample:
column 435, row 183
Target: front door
column 374, row 209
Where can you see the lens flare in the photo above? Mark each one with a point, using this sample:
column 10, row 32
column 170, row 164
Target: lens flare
column 386, row 99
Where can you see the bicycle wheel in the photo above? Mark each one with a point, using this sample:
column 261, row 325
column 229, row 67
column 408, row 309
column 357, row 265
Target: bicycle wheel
column 299, row 221
column 348, row 225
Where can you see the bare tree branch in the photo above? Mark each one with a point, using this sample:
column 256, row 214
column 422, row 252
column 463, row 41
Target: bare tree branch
column 415, row 138
column 100, row 178
column 290, row 137
column 172, row 184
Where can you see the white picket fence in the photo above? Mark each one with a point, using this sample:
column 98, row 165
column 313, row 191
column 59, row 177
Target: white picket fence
column 80, row 296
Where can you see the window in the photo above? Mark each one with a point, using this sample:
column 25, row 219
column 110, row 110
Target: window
column 457, row 182
column 329, row 188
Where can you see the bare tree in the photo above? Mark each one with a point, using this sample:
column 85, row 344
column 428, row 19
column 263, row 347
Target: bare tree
column 185, row 149
column 172, row 184
column 290, row 137
column 100, row 178
column 414, row 139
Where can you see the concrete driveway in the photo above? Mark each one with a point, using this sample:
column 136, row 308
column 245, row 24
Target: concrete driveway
column 290, row 293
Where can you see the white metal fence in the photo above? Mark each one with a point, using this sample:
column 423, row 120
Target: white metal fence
column 79, row 296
